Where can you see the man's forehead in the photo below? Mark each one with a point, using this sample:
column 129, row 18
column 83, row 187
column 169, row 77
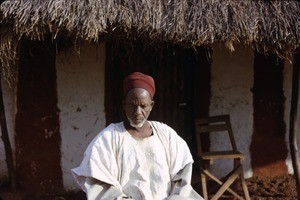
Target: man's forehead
column 138, row 92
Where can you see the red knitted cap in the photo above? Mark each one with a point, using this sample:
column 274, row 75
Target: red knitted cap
column 139, row 80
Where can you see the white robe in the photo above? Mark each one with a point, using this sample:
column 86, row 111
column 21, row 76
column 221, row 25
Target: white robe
column 117, row 165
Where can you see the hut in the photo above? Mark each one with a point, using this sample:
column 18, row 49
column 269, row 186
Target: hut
column 62, row 65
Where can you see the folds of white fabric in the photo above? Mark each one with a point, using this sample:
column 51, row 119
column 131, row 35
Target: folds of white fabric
column 116, row 165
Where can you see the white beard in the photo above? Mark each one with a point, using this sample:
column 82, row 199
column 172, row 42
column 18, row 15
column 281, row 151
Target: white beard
column 139, row 125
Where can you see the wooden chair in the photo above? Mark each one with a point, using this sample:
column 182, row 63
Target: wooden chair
column 222, row 125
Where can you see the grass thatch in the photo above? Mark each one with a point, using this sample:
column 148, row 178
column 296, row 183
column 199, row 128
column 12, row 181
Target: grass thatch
column 265, row 25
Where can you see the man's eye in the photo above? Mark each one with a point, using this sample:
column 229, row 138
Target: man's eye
column 146, row 107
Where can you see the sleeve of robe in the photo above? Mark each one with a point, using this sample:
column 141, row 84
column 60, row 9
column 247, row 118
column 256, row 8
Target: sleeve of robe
column 180, row 163
column 181, row 187
column 98, row 163
column 97, row 190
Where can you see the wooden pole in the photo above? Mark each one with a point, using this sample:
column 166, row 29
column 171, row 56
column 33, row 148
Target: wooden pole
column 7, row 146
column 293, row 122
column 5, row 138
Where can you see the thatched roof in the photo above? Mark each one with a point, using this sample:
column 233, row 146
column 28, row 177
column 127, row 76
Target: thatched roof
column 265, row 25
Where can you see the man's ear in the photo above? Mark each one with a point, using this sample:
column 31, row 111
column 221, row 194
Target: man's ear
column 152, row 104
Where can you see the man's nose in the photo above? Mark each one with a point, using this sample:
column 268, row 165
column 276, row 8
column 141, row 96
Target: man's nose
column 138, row 110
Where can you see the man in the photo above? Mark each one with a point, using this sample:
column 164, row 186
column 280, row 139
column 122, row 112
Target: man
column 137, row 159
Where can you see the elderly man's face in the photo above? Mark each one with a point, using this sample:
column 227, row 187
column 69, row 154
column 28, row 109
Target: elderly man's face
column 138, row 105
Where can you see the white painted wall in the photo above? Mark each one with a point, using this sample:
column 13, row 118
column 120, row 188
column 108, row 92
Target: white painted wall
column 80, row 90
column 9, row 92
column 231, row 82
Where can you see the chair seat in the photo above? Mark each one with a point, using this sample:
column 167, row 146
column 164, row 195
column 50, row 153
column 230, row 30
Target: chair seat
column 221, row 155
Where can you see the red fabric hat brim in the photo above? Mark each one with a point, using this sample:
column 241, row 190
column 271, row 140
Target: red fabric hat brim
column 139, row 80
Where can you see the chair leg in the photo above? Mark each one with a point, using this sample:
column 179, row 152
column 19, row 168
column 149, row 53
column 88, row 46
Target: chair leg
column 245, row 188
column 204, row 186
column 230, row 178
column 227, row 183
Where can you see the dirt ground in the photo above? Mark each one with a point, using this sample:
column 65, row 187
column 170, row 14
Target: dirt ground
column 274, row 188
column 267, row 188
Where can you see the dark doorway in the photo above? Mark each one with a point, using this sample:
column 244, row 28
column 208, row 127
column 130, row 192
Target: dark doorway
column 268, row 147
column 38, row 139
column 176, row 71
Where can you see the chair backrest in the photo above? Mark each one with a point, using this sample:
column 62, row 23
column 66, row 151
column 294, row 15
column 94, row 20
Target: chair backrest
column 208, row 125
